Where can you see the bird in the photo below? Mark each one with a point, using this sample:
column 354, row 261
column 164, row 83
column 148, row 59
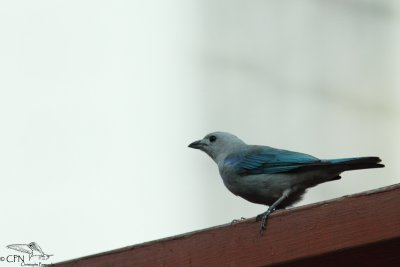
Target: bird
column 32, row 249
column 269, row 176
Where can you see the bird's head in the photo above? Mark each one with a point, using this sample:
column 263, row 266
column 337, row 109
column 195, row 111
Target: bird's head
column 218, row 145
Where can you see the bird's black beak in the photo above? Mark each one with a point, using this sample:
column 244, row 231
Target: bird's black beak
column 196, row 144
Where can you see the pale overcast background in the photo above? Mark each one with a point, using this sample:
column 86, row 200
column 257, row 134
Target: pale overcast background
column 99, row 100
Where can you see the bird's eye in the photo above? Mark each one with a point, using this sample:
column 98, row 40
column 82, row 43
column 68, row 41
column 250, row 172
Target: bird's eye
column 212, row 138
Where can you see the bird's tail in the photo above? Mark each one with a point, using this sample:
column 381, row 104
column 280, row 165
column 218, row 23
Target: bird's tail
column 349, row 164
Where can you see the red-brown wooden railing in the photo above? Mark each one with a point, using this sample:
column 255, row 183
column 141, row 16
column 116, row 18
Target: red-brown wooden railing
column 357, row 230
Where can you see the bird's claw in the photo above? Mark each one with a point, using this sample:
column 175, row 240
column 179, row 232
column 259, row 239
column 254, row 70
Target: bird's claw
column 260, row 216
column 238, row 220
column 263, row 217
column 262, row 229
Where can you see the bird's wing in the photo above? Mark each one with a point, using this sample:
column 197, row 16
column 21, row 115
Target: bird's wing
column 268, row 160
column 21, row 248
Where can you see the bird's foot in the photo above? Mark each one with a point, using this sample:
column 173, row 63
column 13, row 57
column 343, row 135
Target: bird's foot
column 238, row 220
column 264, row 219
column 260, row 216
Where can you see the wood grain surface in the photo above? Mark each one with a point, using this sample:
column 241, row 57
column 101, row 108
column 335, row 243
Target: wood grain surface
column 357, row 230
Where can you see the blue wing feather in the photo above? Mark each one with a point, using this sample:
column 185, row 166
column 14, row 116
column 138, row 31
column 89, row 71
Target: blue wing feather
column 268, row 160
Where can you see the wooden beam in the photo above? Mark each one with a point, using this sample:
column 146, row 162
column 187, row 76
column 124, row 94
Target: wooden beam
column 357, row 230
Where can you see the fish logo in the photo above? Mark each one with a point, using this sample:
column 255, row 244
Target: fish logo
column 32, row 249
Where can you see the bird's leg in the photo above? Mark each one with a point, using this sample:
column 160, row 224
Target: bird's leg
column 264, row 216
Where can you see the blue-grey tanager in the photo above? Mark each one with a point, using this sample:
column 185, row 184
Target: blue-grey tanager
column 274, row 177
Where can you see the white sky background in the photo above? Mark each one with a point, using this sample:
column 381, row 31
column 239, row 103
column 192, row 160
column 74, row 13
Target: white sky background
column 99, row 100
